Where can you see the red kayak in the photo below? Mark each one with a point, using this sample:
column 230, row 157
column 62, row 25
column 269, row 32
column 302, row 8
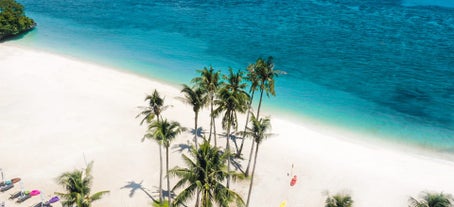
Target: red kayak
column 293, row 181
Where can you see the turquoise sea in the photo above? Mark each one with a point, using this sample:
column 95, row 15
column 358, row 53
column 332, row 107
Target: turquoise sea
column 380, row 67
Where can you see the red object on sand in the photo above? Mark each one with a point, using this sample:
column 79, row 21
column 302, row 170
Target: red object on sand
column 293, row 181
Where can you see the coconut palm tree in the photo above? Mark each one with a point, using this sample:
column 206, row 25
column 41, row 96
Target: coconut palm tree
column 264, row 69
column 204, row 174
column 153, row 110
column 339, row 200
column 194, row 97
column 432, row 200
column 231, row 99
column 265, row 74
column 208, row 82
column 258, row 132
column 78, row 188
column 166, row 132
column 252, row 78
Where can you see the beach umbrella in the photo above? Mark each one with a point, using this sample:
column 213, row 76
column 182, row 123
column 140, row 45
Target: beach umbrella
column 35, row 192
column 15, row 180
column 54, row 199
column 283, row 204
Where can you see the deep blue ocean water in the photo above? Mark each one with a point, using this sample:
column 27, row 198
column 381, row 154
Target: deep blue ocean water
column 381, row 67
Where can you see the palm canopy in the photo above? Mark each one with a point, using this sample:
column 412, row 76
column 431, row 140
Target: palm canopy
column 339, row 200
column 205, row 173
column 265, row 72
column 208, row 81
column 252, row 78
column 432, row 200
column 231, row 99
column 194, row 97
column 164, row 131
column 155, row 107
column 78, row 187
column 258, row 130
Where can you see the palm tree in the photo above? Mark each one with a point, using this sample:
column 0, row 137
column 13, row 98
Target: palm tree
column 232, row 99
column 204, row 174
column 432, row 200
column 339, row 200
column 78, row 186
column 251, row 76
column 208, row 82
column 258, row 133
column 154, row 109
column 165, row 132
column 265, row 74
column 194, row 97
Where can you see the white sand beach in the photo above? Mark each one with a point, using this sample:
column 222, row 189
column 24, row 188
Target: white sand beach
column 57, row 113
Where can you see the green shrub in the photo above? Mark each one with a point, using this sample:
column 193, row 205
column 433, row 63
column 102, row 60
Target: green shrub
column 12, row 19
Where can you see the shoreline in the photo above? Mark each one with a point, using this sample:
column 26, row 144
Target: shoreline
column 326, row 158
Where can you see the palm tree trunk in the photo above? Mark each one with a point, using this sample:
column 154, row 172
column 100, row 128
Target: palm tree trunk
column 227, row 149
column 246, row 173
column 260, row 103
column 195, row 130
column 214, row 132
column 238, row 153
column 197, row 199
column 168, row 178
column 160, row 168
column 160, row 174
column 211, row 119
column 252, row 176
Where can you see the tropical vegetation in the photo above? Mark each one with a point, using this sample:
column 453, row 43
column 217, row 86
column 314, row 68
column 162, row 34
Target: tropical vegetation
column 339, row 200
column 77, row 185
column 204, row 175
column 154, row 109
column 432, row 200
column 13, row 20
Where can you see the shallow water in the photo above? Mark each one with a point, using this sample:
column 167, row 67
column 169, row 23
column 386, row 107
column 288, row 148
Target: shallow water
column 382, row 68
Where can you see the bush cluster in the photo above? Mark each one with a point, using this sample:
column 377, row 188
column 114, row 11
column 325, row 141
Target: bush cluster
column 13, row 20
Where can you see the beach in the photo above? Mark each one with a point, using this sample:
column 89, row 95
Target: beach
column 58, row 113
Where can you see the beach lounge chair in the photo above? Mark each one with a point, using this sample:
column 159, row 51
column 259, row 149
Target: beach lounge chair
column 15, row 195
column 8, row 182
column 47, row 203
column 27, row 194
column 6, row 187
column 23, row 197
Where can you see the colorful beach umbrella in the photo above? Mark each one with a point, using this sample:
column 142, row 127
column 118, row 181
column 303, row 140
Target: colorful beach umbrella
column 283, row 204
column 35, row 192
column 54, row 199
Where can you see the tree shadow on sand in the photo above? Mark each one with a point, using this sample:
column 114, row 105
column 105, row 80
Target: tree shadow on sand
column 137, row 186
column 199, row 132
column 182, row 147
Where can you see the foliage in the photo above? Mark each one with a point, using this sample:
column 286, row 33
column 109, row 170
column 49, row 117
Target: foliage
column 78, row 187
column 205, row 173
column 339, row 200
column 154, row 109
column 208, row 82
column 12, row 19
column 258, row 132
column 432, row 200
column 165, row 132
column 196, row 98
